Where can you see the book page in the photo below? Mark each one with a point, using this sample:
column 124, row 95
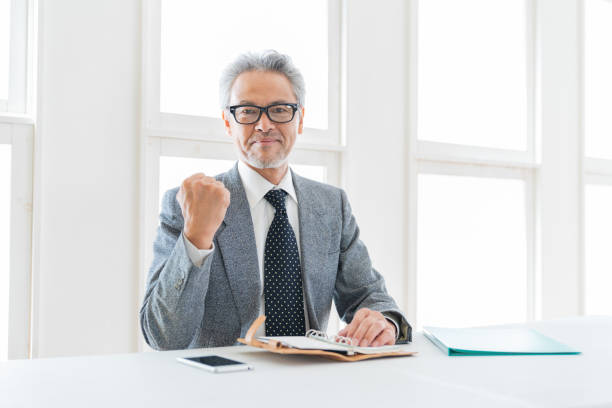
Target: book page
column 309, row 343
column 305, row 343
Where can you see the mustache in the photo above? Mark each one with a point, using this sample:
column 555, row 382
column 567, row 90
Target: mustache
column 259, row 136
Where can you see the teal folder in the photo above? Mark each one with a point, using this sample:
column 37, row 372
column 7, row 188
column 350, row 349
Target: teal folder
column 491, row 341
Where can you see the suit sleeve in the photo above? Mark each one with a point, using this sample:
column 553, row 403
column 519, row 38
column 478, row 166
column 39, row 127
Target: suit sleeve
column 358, row 285
column 173, row 306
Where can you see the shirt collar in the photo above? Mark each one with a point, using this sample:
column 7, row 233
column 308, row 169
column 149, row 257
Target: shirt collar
column 256, row 186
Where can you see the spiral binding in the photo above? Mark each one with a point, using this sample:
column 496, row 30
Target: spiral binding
column 347, row 341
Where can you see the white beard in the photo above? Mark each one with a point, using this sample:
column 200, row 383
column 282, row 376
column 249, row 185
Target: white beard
column 260, row 164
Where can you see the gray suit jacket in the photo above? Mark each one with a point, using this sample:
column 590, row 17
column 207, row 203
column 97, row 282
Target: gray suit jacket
column 190, row 307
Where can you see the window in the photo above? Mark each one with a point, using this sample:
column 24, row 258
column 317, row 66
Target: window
column 187, row 44
column 173, row 170
column 16, row 152
column 14, row 59
column 597, row 78
column 472, row 73
column 479, row 226
column 16, row 148
column 597, row 106
column 598, row 259
column 472, row 163
column 190, row 42
column 5, row 13
column 191, row 63
column 5, row 221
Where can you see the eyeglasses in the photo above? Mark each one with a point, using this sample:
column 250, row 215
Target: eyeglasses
column 278, row 112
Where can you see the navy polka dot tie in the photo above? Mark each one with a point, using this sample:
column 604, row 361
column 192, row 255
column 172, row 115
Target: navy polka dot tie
column 283, row 296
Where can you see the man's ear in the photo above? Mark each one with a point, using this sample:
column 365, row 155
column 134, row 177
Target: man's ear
column 301, row 124
column 226, row 124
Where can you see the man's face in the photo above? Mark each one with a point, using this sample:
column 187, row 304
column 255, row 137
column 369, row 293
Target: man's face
column 264, row 144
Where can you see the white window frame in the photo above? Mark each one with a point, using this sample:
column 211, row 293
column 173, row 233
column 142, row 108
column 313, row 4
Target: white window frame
column 524, row 173
column 427, row 157
column 168, row 134
column 17, row 130
column 172, row 125
column 19, row 134
column 554, row 157
column 20, row 67
column 598, row 179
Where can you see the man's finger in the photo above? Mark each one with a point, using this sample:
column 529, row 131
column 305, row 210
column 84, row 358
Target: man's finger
column 357, row 319
column 352, row 326
column 195, row 176
column 363, row 328
column 200, row 177
column 362, row 313
column 385, row 338
column 375, row 328
column 348, row 330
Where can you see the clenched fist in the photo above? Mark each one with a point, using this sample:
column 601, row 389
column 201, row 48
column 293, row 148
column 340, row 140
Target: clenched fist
column 203, row 201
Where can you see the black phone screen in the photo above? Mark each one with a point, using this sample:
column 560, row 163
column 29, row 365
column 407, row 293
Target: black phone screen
column 213, row 361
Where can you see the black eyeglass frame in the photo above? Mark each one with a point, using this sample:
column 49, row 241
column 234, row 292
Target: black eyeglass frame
column 232, row 109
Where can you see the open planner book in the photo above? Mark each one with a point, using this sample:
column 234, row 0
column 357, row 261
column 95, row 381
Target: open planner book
column 316, row 340
column 320, row 344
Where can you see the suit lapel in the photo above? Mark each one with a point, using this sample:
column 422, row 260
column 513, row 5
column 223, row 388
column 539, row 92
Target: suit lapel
column 236, row 240
column 314, row 245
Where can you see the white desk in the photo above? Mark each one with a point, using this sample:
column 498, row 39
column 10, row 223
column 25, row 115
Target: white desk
column 428, row 379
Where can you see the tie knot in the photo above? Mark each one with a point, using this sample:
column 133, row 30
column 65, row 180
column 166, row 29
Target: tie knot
column 276, row 197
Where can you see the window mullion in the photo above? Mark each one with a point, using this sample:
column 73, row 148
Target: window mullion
column 18, row 56
column 560, row 175
column 21, row 241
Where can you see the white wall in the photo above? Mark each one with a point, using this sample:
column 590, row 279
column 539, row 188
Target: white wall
column 86, row 199
column 374, row 170
column 561, row 171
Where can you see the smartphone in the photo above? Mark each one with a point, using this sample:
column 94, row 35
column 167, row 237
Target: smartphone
column 215, row 364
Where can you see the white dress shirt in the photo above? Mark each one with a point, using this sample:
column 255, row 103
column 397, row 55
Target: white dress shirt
column 262, row 214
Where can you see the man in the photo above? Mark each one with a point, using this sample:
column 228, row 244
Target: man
column 260, row 239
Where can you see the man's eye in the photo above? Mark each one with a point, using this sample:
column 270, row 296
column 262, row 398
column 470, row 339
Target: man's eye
column 248, row 111
column 279, row 109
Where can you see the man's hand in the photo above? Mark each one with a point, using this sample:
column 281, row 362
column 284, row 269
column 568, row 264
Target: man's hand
column 370, row 328
column 203, row 201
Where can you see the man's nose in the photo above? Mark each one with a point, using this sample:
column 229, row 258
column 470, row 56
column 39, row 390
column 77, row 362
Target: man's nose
column 264, row 124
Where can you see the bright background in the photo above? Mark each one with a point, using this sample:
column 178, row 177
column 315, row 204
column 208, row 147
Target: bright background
column 473, row 139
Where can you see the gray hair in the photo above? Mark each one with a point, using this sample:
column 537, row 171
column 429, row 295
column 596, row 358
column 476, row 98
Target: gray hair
column 268, row 60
